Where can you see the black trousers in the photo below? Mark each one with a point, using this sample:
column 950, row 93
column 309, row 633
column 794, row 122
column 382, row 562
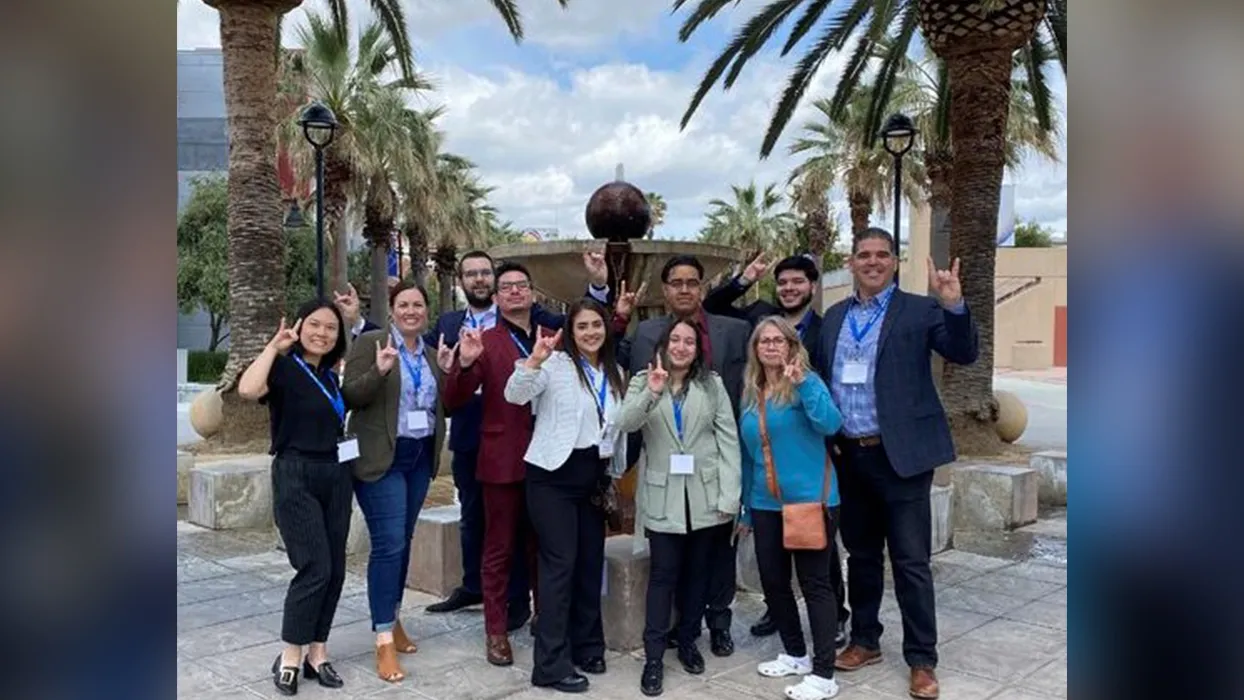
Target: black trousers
column 311, row 499
column 678, row 563
column 882, row 510
column 570, row 531
column 812, row 568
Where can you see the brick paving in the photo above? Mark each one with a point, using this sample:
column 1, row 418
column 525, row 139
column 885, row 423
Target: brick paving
column 1002, row 627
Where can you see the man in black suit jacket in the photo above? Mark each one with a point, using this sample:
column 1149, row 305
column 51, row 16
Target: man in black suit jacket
column 796, row 278
column 875, row 352
column 727, row 338
column 477, row 277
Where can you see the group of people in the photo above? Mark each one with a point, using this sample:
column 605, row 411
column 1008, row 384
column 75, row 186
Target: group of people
column 767, row 421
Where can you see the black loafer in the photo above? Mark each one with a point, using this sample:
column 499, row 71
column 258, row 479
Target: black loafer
column 574, row 683
column 691, row 659
column 325, row 674
column 515, row 622
column 457, row 600
column 285, row 678
column 652, row 681
column 764, row 627
column 594, row 665
column 720, row 642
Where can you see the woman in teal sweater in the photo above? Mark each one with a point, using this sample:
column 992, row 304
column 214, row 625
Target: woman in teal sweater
column 799, row 415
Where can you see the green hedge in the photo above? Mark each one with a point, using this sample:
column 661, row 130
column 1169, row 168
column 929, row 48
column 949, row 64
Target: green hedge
column 205, row 367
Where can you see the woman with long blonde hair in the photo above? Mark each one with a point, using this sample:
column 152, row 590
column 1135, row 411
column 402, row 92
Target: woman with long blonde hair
column 786, row 417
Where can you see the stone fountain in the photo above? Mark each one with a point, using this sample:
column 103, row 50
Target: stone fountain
column 618, row 214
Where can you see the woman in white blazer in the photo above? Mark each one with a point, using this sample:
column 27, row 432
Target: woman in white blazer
column 689, row 488
column 575, row 393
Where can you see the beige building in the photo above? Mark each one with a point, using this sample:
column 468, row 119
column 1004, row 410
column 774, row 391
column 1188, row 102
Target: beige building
column 1030, row 289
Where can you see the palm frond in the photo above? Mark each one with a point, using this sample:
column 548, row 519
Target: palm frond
column 758, row 30
column 795, row 88
column 706, row 10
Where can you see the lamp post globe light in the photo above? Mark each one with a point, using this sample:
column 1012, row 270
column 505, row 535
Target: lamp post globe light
column 318, row 126
column 898, row 135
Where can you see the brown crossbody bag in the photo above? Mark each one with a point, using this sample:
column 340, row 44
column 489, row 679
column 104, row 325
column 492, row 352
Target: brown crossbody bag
column 803, row 524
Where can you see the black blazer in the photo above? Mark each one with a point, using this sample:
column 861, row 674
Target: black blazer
column 914, row 430
column 721, row 301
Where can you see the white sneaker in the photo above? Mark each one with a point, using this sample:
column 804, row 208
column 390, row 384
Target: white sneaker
column 785, row 665
column 813, row 688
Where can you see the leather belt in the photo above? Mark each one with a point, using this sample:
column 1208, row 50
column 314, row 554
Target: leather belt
column 865, row 441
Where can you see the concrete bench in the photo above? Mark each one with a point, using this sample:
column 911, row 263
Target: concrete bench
column 436, row 552
column 232, row 493
column 993, row 497
column 942, row 501
column 185, row 462
column 625, row 591
column 1051, row 469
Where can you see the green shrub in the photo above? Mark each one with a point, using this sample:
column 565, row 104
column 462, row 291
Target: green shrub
column 204, row 366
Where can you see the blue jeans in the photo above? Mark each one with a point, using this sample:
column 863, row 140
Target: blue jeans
column 391, row 507
column 471, row 498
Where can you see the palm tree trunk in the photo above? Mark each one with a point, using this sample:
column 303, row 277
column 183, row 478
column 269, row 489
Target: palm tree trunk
column 861, row 211
column 336, row 179
column 817, row 223
column 377, row 227
column 417, row 239
column 256, row 260
column 939, row 166
column 980, row 84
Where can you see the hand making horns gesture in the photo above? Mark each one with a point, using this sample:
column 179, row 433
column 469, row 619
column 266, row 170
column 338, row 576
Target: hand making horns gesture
column 470, row 347
column 545, row 345
column 285, row 337
column 625, row 304
column 445, row 355
column 386, row 355
column 945, row 284
column 657, row 377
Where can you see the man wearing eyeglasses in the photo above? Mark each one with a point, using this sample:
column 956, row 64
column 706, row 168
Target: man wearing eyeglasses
column 478, row 282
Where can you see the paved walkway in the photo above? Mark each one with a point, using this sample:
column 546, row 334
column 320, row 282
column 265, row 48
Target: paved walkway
column 1002, row 626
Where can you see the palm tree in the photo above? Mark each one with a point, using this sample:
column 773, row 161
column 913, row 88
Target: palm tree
column 657, row 204
column 753, row 221
column 977, row 39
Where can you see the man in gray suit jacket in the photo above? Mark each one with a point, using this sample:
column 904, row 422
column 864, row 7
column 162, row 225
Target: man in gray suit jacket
column 875, row 354
column 682, row 278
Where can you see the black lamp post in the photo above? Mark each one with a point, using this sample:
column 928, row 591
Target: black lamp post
column 898, row 134
column 318, row 124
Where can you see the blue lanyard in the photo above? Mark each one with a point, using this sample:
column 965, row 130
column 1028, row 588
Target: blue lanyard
column 413, row 369
column 339, row 404
column 802, row 326
column 858, row 334
column 599, row 394
column 519, row 343
column 678, row 414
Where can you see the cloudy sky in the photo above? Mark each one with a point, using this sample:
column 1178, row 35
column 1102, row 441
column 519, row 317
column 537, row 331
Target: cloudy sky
column 592, row 86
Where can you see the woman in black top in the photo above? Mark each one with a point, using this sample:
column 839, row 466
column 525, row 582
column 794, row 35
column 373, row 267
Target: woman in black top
column 311, row 481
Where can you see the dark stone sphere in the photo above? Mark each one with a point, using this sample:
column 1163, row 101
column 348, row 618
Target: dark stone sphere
column 618, row 211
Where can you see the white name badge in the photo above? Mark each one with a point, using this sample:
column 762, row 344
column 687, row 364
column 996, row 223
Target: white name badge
column 855, row 372
column 682, row 464
column 605, row 447
column 347, row 449
column 417, row 420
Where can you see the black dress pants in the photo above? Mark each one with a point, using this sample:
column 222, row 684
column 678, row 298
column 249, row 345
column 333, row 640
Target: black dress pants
column 882, row 510
column 570, row 531
column 311, row 499
column 678, row 562
column 812, row 568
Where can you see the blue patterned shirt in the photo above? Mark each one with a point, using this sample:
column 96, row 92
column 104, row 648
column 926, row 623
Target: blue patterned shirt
column 482, row 320
column 425, row 399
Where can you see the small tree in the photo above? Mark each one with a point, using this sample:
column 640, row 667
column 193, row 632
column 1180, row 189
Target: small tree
column 1030, row 234
column 202, row 252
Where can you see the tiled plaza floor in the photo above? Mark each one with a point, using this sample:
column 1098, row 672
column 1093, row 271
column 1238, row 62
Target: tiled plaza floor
column 1002, row 628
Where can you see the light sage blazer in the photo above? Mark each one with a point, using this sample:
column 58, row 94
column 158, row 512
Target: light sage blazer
column 710, row 434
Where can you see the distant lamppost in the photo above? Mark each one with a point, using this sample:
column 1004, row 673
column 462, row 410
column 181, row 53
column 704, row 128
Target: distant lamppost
column 293, row 218
column 318, row 125
column 898, row 134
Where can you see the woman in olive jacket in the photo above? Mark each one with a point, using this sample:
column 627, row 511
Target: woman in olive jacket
column 689, row 488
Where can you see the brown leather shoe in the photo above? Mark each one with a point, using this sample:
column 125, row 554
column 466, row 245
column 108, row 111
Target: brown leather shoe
column 923, row 683
column 387, row 666
column 499, row 653
column 404, row 644
column 855, row 657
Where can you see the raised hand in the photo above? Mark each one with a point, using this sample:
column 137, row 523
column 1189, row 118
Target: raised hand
column 545, row 345
column 445, row 355
column 285, row 337
column 657, row 377
column 347, row 304
column 793, row 370
column 945, row 284
column 386, row 355
column 470, row 347
column 626, row 301
column 756, row 269
column 597, row 270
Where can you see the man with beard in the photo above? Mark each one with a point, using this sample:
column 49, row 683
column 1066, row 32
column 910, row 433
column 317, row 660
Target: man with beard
column 797, row 278
column 478, row 281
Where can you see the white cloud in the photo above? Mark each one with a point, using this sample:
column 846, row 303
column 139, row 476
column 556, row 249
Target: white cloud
column 546, row 142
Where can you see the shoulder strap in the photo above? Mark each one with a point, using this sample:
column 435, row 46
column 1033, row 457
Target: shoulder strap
column 767, row 447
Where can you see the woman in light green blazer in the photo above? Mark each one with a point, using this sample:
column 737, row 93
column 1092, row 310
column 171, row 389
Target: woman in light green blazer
column 689, row 488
